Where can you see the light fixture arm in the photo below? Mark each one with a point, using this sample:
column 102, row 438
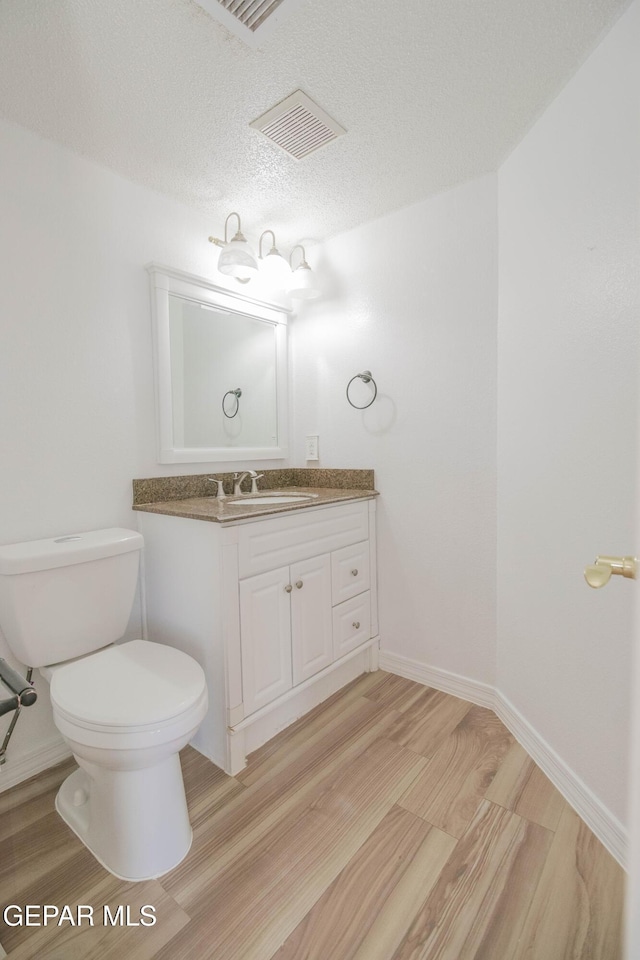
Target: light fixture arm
column 303, row 262
column 273, row 245
column 238, row 235
column 304, row 285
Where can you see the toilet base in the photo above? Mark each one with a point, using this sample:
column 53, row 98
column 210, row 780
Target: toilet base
column 134, row 822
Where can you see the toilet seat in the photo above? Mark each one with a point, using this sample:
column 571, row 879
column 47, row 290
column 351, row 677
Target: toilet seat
column 130, row 688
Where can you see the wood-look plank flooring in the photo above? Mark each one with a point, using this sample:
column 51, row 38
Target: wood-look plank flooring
column 393, row 822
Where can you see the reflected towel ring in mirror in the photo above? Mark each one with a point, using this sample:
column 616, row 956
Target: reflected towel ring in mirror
column 237, row 393
column 366, row 377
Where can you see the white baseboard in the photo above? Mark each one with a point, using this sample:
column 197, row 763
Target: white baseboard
column 48, row 754
column 472, row 690
column 607, row 828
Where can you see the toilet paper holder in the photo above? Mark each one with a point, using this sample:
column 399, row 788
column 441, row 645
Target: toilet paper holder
column 24, row 695
column 603, row 568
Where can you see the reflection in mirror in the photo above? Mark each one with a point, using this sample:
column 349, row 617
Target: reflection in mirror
column 221, row 376
column 213, row 355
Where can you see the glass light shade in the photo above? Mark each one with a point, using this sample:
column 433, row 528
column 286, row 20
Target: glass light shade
column 275, row 268
column 238, row 260
column 303, row 285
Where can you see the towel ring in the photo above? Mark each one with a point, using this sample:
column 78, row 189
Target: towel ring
column 366, row 377
column 237, row 393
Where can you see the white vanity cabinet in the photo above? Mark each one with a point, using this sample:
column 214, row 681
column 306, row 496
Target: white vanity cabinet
column 281, row 612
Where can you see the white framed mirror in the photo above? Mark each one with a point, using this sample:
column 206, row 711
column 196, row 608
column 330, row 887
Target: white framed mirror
column 220, row 361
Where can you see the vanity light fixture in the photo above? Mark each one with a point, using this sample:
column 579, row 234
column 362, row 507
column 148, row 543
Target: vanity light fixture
column 273, row 265
column 304, row 285
column 237, row 259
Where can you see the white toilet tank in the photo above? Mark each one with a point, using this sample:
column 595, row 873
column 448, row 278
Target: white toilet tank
column 68, row 596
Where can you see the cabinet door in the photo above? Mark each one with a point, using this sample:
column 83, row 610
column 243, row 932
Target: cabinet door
column 265, row 638
column 311, row 617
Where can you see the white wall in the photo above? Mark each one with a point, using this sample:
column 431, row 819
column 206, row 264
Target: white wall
column 567, row 393
column 76, row 377
column 412, row 297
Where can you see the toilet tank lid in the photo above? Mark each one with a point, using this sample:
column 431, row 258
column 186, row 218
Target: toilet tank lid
column 67, row 549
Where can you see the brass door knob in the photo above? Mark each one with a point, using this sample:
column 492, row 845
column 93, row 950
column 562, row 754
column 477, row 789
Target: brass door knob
column 603, row 568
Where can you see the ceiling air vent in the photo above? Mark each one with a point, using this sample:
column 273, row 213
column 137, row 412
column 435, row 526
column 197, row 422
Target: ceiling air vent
column 298, row 125
column 251, row 20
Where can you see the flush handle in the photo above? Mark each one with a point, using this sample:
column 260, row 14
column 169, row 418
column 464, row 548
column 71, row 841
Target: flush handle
column 603, row 568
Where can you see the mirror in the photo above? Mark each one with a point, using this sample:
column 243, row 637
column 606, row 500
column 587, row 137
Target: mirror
column 221, row 372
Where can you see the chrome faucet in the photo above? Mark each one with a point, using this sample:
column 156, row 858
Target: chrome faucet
column 238, row 480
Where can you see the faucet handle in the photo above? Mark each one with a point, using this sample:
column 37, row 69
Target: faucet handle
column 254, row 480
column 219, row 494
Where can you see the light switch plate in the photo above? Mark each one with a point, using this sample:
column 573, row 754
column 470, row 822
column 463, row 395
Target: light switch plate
column 311, row 448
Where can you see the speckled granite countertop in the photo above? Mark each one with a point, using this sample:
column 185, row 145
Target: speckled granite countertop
column 189, row 496
column 235, row 508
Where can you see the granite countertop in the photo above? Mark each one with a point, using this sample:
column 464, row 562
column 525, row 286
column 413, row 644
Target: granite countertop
column 240, row 508
column 188, row 496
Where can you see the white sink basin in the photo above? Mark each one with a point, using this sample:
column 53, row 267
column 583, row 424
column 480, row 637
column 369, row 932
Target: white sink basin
column 267, row 499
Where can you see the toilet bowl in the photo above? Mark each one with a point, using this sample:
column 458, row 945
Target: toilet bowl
column 125, row 709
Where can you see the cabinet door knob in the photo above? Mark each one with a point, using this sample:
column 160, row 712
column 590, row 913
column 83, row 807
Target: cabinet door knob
column 288, row 588
column 356, row 624
column 354, row 573
column 299, row 584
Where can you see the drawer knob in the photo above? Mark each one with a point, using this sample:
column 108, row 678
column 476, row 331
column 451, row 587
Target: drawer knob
column 356, row 624
column 288, row 588
column 299, row 584
column 354, row 573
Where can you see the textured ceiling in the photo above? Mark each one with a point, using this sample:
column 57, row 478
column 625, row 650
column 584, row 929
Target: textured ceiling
column 431, row 92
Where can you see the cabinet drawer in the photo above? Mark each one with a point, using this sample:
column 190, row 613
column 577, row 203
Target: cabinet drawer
column 349, row 571
column 268, row 544
column 351, row 624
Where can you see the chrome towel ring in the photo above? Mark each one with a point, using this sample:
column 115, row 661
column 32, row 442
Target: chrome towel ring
column 366, row 377
column 237, row 393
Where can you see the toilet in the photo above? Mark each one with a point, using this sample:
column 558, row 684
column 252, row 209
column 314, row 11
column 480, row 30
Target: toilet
column 124, row 709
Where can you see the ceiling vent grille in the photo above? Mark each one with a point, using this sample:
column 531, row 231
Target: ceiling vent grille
column 251, row 20
column 251, row 13
column 298, row 126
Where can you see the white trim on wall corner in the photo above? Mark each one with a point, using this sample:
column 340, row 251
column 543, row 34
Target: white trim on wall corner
column 47, row 755
column 607, row 828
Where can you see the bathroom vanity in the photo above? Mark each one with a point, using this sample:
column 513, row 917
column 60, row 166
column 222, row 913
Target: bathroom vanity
column 277, row 603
